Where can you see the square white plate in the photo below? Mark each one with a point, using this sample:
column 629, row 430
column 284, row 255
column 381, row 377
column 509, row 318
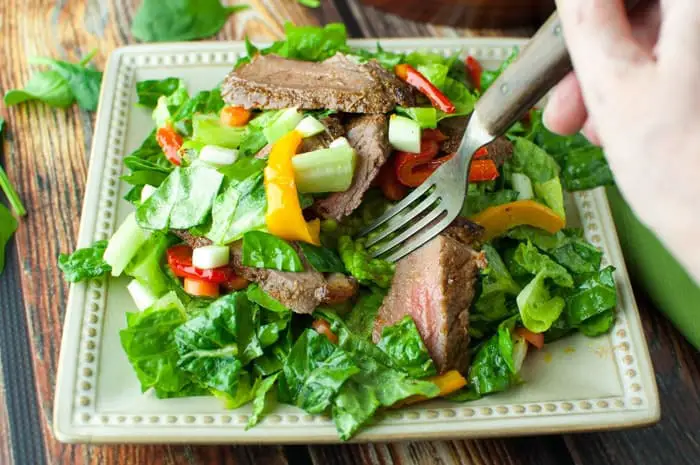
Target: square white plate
column 572, row 385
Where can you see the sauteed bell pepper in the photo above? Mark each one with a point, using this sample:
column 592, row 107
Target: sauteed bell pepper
column 535, row 339
column 180, row 262
column 170, row 141
column 234, row 116
column 413, row 77
column 499, row 219
column 389, row 184
column 474, row 69
column 284, row 217
column 448, row 382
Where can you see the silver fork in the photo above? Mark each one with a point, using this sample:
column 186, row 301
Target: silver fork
column 431, row 207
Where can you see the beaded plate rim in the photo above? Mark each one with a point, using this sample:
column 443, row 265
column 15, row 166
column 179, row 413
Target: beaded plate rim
column 76, row 418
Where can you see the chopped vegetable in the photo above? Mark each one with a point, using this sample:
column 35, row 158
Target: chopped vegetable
column 85, row 263
column 209, row 130
column 523, row 185
column 324, row 170
column 218, row 156
column 448, row 383
column 234, row 116
column 170, row 141
column 210, row 256
column 474, row 70
column 141, row 295
column 310, row 126
column 499, row 219
column 483, row 170
column 404, row 134
column 147, row 192
column 536, row 339
column 389, row 183
column 200, row 288
column 284, row 217
column 285, row 122
column 412, row 169
column 124, row 244
column 412, row 76
column 360, row 264
column 180, row 262
column 322, row 327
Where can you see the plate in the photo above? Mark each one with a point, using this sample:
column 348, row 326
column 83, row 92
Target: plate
column 572, row 385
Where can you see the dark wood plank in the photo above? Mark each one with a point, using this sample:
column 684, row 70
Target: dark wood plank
column 676, row 438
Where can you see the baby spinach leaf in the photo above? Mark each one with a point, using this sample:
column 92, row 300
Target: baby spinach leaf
column 46, row 86
column 183, row 200
column 84, row 263
column 263, row 250
column 150, row 90
column 8, row 226
column 322, row 259
column 263, row 400
column 403, row 343
column 180, row 20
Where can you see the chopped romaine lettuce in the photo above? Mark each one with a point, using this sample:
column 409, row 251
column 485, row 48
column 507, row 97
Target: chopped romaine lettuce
column 403, row 344
column 360, row 320
column 264, row 393
column 361, row 265
column 538, row 308
column 85, row 263
column 322, row 259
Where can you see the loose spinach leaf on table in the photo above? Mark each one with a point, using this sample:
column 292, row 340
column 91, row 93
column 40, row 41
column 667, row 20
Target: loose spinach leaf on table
column 180, row 20
column 84, row 263
column 8, row 226
column 149, row 91
column 46, row 86
column 183, row 200
column 263, row 250
column 322, row 259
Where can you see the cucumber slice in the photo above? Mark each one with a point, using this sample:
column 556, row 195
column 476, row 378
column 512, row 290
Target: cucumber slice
column 124, row 244
column 404, row 134
column 147, row 191
column 522, row 184
column 161, row 114
column 210, row 256
column 285, row 122
column 218, row 156
column 326, row 170
column 339, row 142
column 142, row 296
column 310, row 126
column 208, row 130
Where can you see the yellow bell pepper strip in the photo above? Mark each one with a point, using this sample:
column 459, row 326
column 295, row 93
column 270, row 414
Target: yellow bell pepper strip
column 499, row 219
column 284, row 217
column 448, row 382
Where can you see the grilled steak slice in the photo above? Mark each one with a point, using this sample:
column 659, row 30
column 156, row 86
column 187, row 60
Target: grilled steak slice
column 368, row 135
column 334, row 129
column 301, row 292
column 338, row 83
column 435, row 285
column 499, row 150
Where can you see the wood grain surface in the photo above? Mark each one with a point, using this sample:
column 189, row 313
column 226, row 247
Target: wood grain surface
column 46, row 155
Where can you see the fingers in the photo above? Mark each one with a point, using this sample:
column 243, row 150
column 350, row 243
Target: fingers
column 680, row 31
column 565, row 112
column 601, row 44
column 591, row 133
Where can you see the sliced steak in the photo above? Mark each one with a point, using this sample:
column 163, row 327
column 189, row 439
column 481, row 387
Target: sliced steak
column 499, row 150
column 435, row 285
column 338, row 83
column 190, row 239
column 368, row 135
column 334, row 129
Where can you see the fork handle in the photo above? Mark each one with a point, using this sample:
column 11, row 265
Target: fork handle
column 542, row 63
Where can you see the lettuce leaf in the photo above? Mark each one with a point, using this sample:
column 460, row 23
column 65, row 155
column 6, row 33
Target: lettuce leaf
column 361, row 265
column 528, row 258
column 595, row 294
column 83, row 264
column 538, row 308
column 403, row 344
column 263, row 250
column 360, row 320
column 263, row 399
column 489, row 76
column 567, row 247
column 149, row 91
column 145, row 266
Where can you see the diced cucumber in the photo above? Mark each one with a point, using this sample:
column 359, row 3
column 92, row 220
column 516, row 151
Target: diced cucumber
column 339, row 142
column 161, row 114
column 142, row 296
column 326, row 170
column 404, row 134
column 208, row 130
column 146, row 192
column 310, row 126
column 218, row 156
column 286, row 121
column 519, row 352
column 210, row 256
column 522, row 184
column 124, row 244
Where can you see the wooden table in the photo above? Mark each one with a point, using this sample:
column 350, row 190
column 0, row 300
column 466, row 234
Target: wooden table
column 46, row 154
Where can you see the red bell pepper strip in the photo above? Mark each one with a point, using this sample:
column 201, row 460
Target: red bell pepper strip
column 434, row 134
column 180, row 262
column 474, row 69
column 170, row 141
column 481, row 153
column 536, row 339
column 389, row 184
column 413, row 77
column 414, row 168
column 483, row 170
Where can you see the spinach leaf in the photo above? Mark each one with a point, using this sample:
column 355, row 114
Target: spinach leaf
column 263, row 398
column 360, row 320
column 594, row 294
column 146, row 267
column 257, row 295
column 530, row 259
column 84, row 83
column 586, row 168
column 322, row 259
column 204, row 102
column 149, row 344
column 150, row 90
column 215, row 345
column 567, row 247
column 8, row 226
column 354, row 406
column 361, row 265
column 263, row 250
column 384, row 57
column 86, row 263
column 180, row 20
column 402, row 342
column 242, row 203
column 314, row 372
column 183, row 200
column 46, row 86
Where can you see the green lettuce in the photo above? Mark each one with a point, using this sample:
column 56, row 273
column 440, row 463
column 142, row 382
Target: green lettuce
column 149, row 91
column 257, row 295
column 361, row 265
column 146, row 267
column 403, row 344
column 586, row 168
column 262, row 400
column 83, row 264
column 567, row 247
column 538, row 308
column 595, row 293
column 322, row 259
column 263, row 250
column 528, row 258
column 360, row 320
column 488, row 77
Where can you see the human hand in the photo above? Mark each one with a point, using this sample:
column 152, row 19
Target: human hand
column 636, row 92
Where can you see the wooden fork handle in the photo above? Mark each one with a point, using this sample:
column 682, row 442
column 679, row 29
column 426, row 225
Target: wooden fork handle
column 542, row 63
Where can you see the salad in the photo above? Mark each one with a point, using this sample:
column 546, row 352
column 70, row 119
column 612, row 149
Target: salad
column 249, row 283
